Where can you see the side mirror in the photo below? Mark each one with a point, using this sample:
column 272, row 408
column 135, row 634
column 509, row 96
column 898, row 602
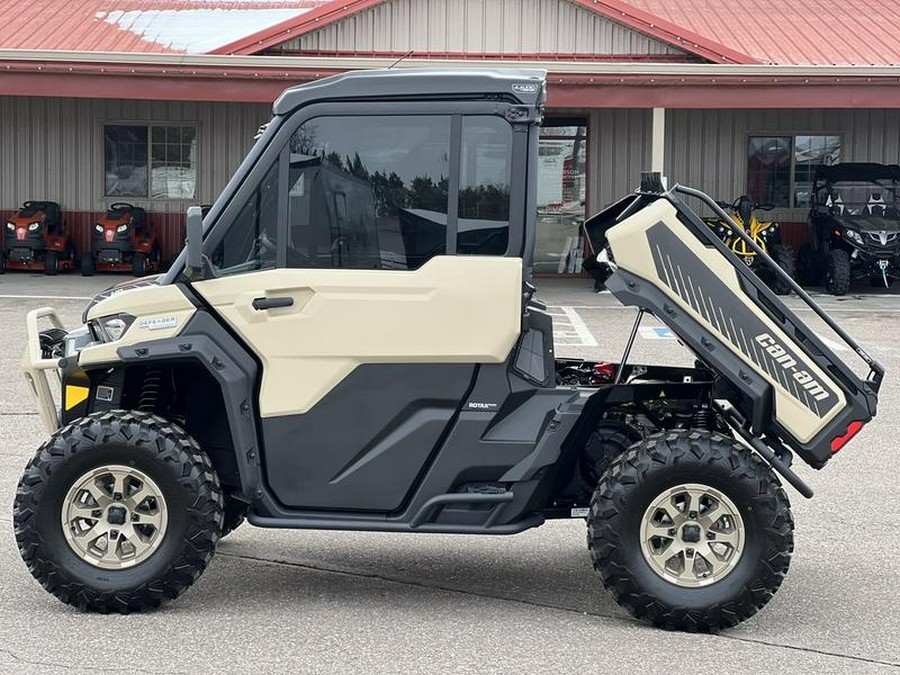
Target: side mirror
column 194, row 243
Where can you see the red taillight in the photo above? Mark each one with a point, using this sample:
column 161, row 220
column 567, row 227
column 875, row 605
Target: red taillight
column 852, row 429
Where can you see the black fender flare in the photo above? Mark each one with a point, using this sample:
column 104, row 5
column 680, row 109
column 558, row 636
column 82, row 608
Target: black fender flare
column 233, row 367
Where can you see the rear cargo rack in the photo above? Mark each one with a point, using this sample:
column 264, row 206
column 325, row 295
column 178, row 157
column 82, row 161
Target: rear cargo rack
column 788, row 388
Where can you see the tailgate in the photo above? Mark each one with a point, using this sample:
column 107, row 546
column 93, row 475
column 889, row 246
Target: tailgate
column 784, row 380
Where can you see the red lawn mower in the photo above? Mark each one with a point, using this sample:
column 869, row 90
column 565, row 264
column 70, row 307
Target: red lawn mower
column 36, row 239
column 122, row 240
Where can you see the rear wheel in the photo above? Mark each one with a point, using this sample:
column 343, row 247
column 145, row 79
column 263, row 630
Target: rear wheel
column 809, row 270
column 118, row 512
column 690, row 531
column 139, row 264
column 51, row 263
column 2, row 262
column 784, row 257
column 87, row 264
column 837, row 271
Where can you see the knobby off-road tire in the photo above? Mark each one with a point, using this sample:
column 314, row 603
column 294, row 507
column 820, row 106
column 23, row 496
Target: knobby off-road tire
column 119, row 441
column 809, row 266
column 659, row 466
column 837, row 272
column 139, row 264
column 51, row 263
column 610, row 439
column 784, row 256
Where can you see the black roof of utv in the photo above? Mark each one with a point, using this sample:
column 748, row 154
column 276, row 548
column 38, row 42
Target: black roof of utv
column 524, row 86
column 861, row 171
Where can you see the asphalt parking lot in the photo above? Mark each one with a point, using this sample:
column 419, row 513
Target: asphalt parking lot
column 294, row 602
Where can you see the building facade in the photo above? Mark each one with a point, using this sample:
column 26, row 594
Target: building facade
column 629, row 91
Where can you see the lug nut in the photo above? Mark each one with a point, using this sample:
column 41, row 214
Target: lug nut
column 689, row 552
column 135, row 517
column 693, row 515
column 96, row 513
column 710, row 535
column 671, row 531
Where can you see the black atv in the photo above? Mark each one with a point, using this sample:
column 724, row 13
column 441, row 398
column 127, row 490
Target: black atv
column 854, row 221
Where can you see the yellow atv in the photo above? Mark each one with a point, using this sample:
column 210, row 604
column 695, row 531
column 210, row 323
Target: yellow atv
column 766, row 234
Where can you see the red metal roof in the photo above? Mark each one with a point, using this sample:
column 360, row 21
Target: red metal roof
column 815, row 32
column 808, row 32
column 161, row 26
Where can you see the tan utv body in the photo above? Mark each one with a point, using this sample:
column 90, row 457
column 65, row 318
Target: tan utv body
column 351, row 341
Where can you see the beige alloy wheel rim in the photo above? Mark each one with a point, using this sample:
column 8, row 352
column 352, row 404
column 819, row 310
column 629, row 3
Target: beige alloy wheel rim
column 114, row 517
column 692, row 535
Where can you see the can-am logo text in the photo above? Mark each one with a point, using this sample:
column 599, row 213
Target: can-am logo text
column 789, row 363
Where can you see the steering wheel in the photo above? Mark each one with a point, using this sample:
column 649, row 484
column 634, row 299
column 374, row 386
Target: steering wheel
column 121, row 205
column 339, row 243
column 261, row 247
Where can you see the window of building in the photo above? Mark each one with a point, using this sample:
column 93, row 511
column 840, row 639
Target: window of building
column 780, row 168
column 561, row 195
column 250, row 242
column 151, row 161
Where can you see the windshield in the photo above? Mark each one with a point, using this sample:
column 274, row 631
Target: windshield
column 878, row 198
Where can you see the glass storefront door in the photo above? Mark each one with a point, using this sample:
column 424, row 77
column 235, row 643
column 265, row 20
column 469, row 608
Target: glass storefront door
column 562, row 182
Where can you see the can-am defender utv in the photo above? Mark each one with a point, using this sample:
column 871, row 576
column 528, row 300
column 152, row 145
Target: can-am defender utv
column 766, row 234
column 282, row 373
column 123, row 240
column 854, row 221
column 37, row 239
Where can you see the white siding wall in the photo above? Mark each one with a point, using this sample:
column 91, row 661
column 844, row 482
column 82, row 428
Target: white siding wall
column 480, row 26
column 53, row 148
column 619, row 142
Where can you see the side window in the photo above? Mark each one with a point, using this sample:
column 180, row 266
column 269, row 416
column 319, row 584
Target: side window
column 484, row 182
column 368, row 192
column 249, row 243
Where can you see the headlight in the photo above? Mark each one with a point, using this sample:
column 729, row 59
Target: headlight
column 99, row 228
column 11, row 226
column 854, row 236
column 33, row 226
column 111, row 328
column 121, row 228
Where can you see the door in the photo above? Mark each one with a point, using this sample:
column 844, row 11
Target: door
column 342, row 272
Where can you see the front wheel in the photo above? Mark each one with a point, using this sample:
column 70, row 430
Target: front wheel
column 118, row 512
column 51, row 263
column 690, row 531
column 138, row 264
column 837, row 271
column 87, row 265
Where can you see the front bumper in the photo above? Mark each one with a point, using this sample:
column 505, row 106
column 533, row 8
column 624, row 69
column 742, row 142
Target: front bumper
column 37, row 369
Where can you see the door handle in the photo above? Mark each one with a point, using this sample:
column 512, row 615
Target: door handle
column 272, row 303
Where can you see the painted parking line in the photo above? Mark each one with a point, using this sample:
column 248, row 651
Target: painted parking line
column 569, row 330
column 45, row 297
